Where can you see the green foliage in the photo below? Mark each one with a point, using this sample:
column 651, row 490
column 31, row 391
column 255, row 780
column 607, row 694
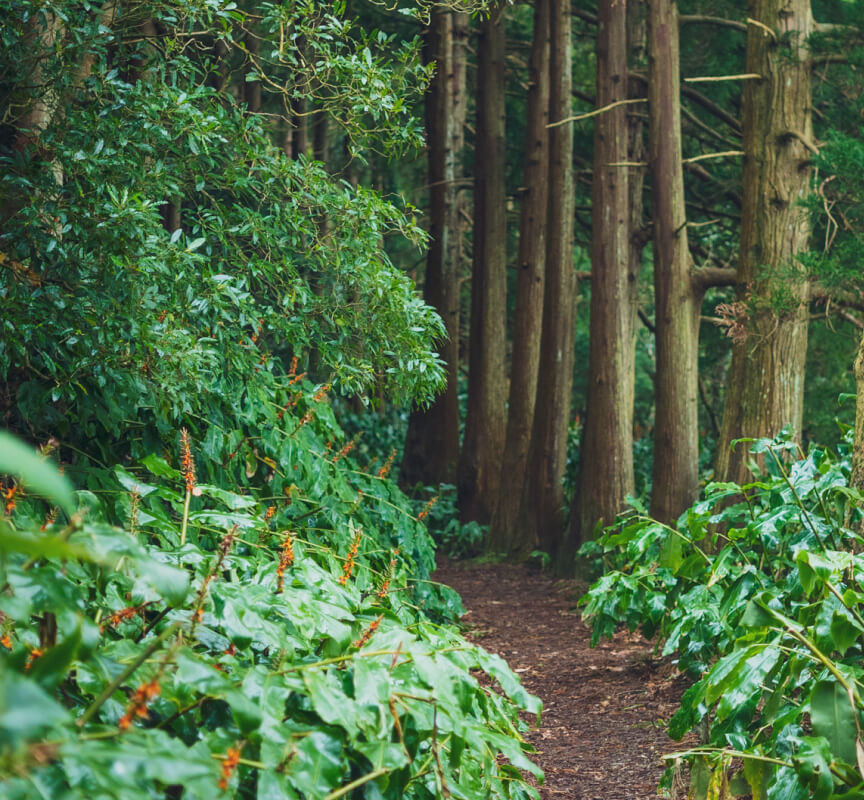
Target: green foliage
column 287, row 627
column 272, row 256
column 757, row 594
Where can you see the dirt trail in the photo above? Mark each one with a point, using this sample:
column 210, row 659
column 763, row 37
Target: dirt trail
column 601, row 736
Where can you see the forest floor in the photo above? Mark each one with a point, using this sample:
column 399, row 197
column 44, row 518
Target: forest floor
column 603, row 728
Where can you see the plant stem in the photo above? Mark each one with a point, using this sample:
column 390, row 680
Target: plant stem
column 185, row 517
column 122, row 677
column 350, row 787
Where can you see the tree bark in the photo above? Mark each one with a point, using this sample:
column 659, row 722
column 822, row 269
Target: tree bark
column 432, row 443
column 766, row 377
column 676, row 426
column 542, row 513
column 252, row 89
column 606, row 476
column 505, row 534
column 486, row 419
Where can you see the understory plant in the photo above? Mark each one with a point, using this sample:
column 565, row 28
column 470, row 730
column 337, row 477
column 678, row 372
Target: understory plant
column 167, row 634
column 757, row 593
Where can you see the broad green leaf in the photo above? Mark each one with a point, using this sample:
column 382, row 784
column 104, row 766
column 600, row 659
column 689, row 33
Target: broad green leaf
column 833, row 717
column 35, row 473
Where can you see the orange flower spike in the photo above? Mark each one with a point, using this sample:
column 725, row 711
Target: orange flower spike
column 320, row 394
column 286, row 559
column 229, row 765
column 271, row 510
column 9, row 497
column 345, row 450
column 137, row 707
column 34, row 654
column 348, row 569
column 427, row 508
column 385, row 470
column 187, row 463
column 6, row 641
column 293, row 371
column 367, row 634
column 50, row 517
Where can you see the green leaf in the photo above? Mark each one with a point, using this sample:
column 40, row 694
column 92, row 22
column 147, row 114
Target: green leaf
column 36, row 474
column 316, row 768
column 833, row 717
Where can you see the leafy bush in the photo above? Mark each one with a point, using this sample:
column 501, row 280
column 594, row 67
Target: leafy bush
column 274, row 638
column 758, row 594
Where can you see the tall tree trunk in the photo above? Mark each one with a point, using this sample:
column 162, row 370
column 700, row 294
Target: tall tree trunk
column 542, row 513
column 486, row 419
column 432, row 442
column 676, row 300
column 606, row 477
column 320, row 136
column 766, row 378
column 252, row 89
column 505, row 533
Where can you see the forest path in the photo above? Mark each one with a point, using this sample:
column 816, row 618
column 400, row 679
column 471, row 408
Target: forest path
column 600, row 736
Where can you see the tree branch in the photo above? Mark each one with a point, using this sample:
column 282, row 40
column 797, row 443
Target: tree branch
column 711, row 277
column 701, row 19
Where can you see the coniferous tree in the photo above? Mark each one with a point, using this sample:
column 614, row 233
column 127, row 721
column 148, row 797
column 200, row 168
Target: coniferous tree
column 486, row 418
column 505, row 533
column 542, row 513
column 432, row 442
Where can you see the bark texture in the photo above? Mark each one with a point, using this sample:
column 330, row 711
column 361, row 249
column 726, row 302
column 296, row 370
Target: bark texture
column 505, row 533
column 542, row 513
column 766, row 378
column 432, row 442
column 486, row 418
column 676, row 301
column 606, row 476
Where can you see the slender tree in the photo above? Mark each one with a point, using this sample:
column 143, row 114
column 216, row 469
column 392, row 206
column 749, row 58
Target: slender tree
column 676, row 426
column 766, row 378
column 486, row 418
column 505, row 534
column 432, row 442
column 606, row 476
column 542, row 513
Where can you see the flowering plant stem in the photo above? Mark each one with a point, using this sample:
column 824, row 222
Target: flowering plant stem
column 185, row 517
column 123, row 677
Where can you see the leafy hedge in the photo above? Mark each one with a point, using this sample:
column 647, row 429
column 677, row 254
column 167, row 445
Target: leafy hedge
column 291, row 647
column 758, row 593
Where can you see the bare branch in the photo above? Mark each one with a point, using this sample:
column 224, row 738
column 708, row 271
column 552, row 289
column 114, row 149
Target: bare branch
column 712, row 277
column 744, row 76
column 701, row 19
column 597, row 111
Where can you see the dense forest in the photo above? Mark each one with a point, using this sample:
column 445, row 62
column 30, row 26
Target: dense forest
column 296, row 295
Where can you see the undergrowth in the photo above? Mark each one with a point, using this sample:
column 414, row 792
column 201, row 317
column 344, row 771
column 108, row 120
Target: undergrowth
column 757, row 593
column 244, row 614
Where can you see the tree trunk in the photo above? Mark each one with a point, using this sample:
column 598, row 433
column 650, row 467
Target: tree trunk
column 252, row 89
column 320, row 138
column 766, row 378
column 432, row 442
column 542, row 512
column 606, row 477
column 486, row 420
column 676, row 299
column 505, row 534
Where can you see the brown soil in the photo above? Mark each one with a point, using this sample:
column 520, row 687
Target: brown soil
column 602, row 733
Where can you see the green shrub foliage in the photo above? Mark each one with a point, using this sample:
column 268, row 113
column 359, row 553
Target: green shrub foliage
column 757, row 593
column 171, row 626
